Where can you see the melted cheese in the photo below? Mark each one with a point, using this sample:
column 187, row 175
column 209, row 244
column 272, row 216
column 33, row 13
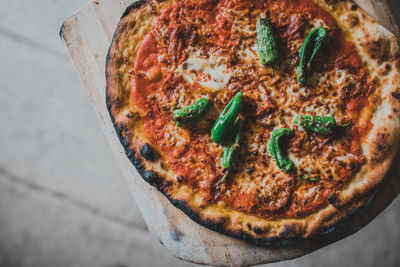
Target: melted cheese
column 211, row 72
column 249, row 53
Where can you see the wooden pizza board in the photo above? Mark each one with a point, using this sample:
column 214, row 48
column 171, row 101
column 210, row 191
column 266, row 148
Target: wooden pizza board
column 87, row 35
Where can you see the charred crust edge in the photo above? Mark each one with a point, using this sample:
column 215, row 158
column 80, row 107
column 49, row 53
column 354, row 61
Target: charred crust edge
column 218, row 226
column 132, row 6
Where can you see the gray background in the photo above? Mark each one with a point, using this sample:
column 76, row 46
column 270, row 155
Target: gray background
column 63, row 200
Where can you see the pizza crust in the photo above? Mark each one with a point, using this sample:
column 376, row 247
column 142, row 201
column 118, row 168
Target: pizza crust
column 375, row 44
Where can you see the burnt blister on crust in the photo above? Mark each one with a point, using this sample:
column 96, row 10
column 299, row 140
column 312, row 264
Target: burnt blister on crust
column 396, row 94
column 353, row 21
column 378, row 50
column 288, row 233
column 286, row 237
column 382, row 146
column 150, row 176
column 147, row 152
column 334, row 200
column 353, row 7
column 258, row 230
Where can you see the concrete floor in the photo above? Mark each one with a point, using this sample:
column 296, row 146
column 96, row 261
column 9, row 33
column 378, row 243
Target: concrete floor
column 63, row 201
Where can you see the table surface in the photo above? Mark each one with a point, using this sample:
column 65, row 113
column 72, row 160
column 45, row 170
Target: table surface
column 74, row 188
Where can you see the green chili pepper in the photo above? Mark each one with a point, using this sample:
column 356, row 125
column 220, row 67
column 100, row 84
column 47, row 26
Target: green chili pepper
column 318, row 124
column 224, row 124
column 284, row 163
column 231, row 152
column 190, row 113
column 267, row 47
column 230, row 156
column 311, row 45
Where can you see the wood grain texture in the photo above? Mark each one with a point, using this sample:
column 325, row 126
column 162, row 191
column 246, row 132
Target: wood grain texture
column 87, row 35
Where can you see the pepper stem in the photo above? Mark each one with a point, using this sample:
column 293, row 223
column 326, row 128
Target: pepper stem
column 345, row 125
column 305, row 177
column 226, row 173
column 331, row 29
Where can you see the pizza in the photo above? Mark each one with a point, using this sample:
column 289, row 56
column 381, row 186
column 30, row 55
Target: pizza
column 265, row 120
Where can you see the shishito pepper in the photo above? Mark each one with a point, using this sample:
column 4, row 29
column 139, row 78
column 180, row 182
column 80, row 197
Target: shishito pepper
column 283, row 162
column 309, row 49
column 266, row 42
column 231, row 152
column 224, row 125
column 324, row 125
column 190, row 113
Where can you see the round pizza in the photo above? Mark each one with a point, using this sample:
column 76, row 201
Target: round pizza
column 265, row 120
